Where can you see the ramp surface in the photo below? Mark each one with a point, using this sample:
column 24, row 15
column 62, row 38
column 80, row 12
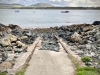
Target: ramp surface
column 46, row 62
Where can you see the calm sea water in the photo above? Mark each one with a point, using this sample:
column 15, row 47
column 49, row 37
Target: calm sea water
column 47, row 18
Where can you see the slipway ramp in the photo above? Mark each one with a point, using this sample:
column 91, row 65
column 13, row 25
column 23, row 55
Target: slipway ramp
column 46, row 62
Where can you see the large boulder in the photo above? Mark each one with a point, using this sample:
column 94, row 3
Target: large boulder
column 12, row 37
column 96, row 23
column 19, row 43
column 5, row 41
column 75, row 37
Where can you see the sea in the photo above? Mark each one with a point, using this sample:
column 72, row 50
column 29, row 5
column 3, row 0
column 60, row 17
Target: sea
column 44, row 18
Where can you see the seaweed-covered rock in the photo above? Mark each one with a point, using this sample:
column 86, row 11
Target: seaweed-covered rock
column 96, row 23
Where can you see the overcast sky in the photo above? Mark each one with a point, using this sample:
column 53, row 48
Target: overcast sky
column 56, row 2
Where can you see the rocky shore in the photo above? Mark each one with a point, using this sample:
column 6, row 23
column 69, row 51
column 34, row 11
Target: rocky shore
column 84, row 40
column 13, row 43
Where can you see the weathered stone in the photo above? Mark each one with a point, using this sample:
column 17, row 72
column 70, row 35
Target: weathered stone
column 88, row 63
column 4, row 56
column 10, row 57
column 98, row 66
column 88, row 46
column 4, row 66
column 5, row 42
column 76, row 37
column 23, row 37
column 20, row 43
column 96, row 23
column 9, row 48
column 12, row 37
column 18, row 50
column 10, row 72
column 80, row 52
column 97, row 36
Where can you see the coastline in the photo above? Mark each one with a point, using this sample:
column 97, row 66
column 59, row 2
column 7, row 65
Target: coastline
column 83, row 39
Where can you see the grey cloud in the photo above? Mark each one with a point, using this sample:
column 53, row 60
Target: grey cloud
column 9, row 1
column 55, row 2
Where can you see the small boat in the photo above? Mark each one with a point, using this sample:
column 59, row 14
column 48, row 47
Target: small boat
column 64, row 11
column 16, row 11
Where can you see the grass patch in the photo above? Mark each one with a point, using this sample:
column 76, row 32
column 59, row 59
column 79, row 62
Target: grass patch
column 86, row 71
column 21, row 72
column 83, row 70
column 86, row 59
column 3, row 73
column 74, row 61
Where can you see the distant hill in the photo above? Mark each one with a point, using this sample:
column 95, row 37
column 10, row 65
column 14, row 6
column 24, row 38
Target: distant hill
column 42, row 5
column 5, row 6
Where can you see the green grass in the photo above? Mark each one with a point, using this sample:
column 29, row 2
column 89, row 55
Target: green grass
column 2, row 73
column 83, row 70
column 21, row 72
column 86, row 71
column 74, row 61
column 86, row 59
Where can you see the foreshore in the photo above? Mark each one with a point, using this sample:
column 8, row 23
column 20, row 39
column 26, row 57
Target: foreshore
column 84, row 40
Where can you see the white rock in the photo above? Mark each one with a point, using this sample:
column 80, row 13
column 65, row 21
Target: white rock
column 88, row 46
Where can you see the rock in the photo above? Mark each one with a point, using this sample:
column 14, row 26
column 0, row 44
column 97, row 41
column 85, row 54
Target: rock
column 10, row 57
column 87, row 54
column 27, row 33
column 88, row 63
column 97, row 66
column 85, row 29
column 20, row 44
column 9, row 48
column 1, row 34
column 73, row 48
column 0, row 59
column 23, row 37
column 92, row 54
column 18, row 50
column 12, row 37
column 96, row 23
column 5, row 41
column 80, row 52
column 81, row 47
column 99, row 58
column 4, row 56
column 17, row 32
column 76, row 37
column 8, row 31
column 97, row 36
column 88, row 46
column 10, row 72
column 4, row 66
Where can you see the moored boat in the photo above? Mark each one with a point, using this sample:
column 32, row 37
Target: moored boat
column 64, row 11
column 16, row 10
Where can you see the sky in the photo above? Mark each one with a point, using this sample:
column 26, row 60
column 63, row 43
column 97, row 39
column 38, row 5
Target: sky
column 73, row 3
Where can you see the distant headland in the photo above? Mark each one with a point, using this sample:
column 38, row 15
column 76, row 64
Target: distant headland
column 42, row 6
